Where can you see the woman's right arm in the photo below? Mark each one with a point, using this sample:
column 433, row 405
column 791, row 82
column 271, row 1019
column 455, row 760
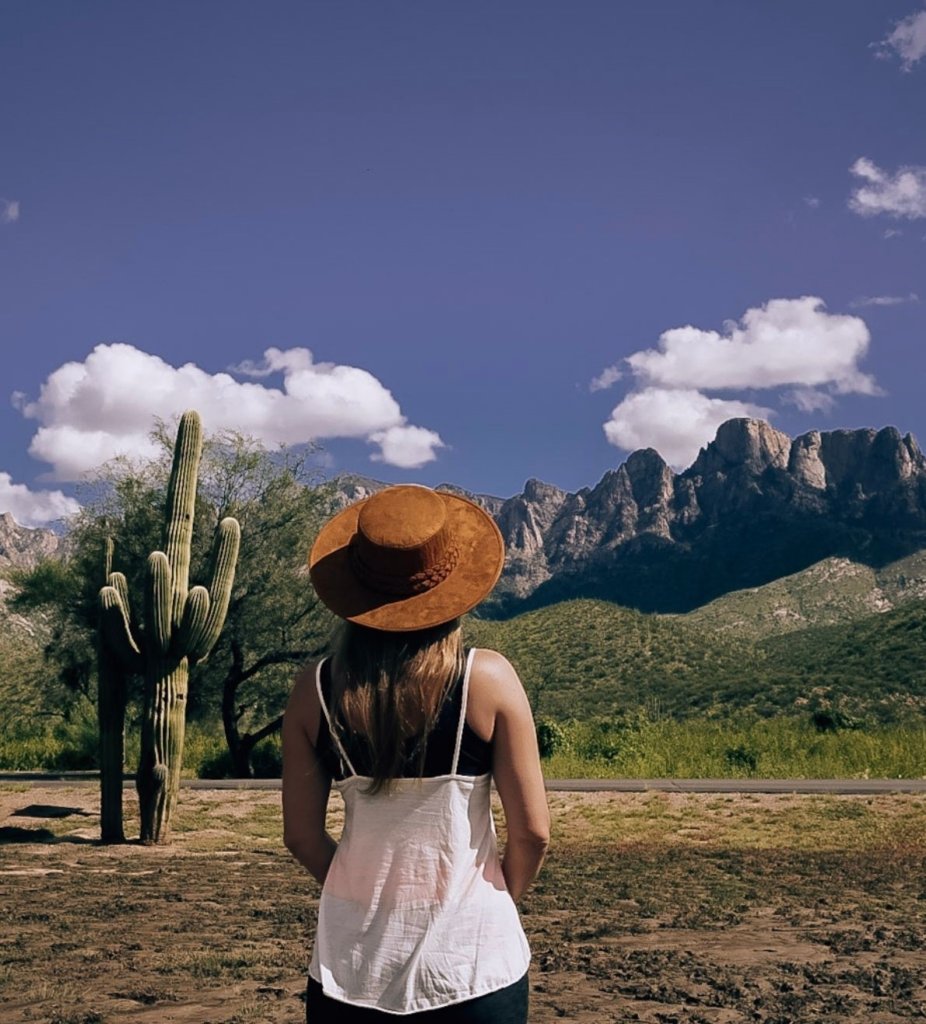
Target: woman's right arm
column 306, row 785
column 516, row 770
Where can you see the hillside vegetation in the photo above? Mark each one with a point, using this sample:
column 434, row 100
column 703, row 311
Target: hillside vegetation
column 582, row 659
column 836, row 590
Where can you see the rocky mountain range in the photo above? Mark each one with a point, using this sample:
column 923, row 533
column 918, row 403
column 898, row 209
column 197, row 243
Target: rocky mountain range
column 754, row 506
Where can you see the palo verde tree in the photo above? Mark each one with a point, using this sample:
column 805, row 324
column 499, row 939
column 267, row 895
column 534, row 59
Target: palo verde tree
column 181, row 625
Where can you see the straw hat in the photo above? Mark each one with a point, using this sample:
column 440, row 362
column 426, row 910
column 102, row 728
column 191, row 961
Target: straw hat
column 406, row 558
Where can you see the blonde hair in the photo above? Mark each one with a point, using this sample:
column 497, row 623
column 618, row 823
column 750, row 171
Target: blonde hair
column 394, row 685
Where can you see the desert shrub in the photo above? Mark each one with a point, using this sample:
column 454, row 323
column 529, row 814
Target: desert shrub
column 267, row 759
column 741, row 757
column 215, row 766
column 551, row 738
column 832, row 712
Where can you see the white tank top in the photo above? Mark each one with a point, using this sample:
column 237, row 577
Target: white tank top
column 414, row 913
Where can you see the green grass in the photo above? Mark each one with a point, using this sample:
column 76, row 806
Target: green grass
column 777, row 748
column 642, row 744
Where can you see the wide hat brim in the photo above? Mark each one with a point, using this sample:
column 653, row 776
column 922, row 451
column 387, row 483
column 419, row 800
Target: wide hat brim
column 481, row 559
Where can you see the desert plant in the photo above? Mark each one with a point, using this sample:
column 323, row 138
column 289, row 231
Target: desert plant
column 551, row 738
column 181, row 625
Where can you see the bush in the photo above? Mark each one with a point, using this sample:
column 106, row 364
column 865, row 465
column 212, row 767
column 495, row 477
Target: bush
column 741, row 757
column 267, row 759
column 550, row 737
column 215, row 766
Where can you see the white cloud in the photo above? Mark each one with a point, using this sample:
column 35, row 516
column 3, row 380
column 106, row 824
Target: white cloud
column 608, row 376
column 33, row 508
column 907, row 41
column 884, row 300
column 787, row 343
column 812, row 201
column 676, row 422
column 898, row 195
column 784, row 342
column 105, row 406
column 9, row 211
column 407, row 447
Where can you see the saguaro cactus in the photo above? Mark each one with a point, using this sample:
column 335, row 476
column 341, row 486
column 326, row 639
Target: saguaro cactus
column 181, row 625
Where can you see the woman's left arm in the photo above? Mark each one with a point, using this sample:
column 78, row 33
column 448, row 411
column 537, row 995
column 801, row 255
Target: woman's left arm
column 306, row 785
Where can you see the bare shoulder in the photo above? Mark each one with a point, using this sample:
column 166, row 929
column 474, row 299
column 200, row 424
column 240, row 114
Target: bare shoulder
column 494, row 690
column 302, row 708
column 493, row 662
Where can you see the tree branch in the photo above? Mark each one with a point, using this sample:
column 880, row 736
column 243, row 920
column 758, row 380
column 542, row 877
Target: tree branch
column 265, row 731
column 276, row 658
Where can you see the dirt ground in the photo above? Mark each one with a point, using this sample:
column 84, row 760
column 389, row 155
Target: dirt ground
column 653, row 907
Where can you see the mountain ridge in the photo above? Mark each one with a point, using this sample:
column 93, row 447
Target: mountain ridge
column 754, row 506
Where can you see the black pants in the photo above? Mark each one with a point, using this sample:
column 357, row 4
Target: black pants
column 506, row 1006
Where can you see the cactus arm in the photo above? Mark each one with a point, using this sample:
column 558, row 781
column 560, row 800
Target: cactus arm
column 158, row 601
column 224, row 558
column 194, row 619
column 116, row 629
column 108, row 549
column 181, row 502
column 119, row 582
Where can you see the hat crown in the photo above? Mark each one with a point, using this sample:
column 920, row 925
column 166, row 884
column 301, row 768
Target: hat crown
column 403, row 517
column 404, row 543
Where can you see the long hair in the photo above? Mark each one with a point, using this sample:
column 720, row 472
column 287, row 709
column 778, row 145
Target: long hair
column 393, row 689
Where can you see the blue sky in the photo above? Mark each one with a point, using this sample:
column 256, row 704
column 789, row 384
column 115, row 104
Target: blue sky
column 456, row 242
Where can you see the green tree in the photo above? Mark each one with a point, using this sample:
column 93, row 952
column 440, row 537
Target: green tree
column 274, row 621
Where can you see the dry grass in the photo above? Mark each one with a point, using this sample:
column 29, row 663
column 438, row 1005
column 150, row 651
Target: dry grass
column 654, row 907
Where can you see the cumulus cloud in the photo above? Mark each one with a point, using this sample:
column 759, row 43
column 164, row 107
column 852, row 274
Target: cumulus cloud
column 105, row 406
column 608, row 376
column 901, row 195
column 9, row 211
column 787, row 343
column 676, row 422
column 33, row 508
column 406, row 447
column 884, row 300
column 907, row 41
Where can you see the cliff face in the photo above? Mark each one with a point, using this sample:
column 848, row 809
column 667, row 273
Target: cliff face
column 754, row 506
column 22, row 547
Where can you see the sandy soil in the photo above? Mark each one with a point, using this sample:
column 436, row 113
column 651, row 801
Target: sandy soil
column 656, row 908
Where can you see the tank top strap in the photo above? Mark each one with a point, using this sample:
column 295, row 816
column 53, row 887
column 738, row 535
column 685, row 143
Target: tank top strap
column 332, row 731
column 464, row 696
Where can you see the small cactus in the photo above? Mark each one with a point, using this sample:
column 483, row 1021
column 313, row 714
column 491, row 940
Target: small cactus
column 181, row 625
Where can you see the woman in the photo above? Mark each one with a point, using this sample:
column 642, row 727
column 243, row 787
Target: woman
column 417, row 914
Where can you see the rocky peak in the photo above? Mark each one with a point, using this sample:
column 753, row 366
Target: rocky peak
column 650, row 477
column 870, row 459
column 744, row 444
column 538, row 491
column 805, row 463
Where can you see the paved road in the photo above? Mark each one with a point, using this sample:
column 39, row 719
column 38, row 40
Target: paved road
column 838, row 786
